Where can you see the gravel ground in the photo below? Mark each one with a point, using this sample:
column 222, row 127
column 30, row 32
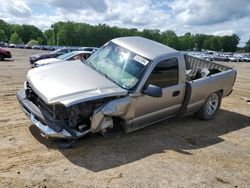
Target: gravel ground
column 183, row 152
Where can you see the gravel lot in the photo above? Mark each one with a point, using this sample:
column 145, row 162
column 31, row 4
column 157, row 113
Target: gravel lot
column 183, row 152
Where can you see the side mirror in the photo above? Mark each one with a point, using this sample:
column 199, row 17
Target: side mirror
column 153, row 91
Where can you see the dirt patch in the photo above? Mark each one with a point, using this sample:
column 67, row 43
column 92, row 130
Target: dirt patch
column 183, row 152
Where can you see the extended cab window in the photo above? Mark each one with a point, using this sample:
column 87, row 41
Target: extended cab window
column 165, row 73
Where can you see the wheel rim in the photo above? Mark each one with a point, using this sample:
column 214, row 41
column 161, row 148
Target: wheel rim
column 212, row 103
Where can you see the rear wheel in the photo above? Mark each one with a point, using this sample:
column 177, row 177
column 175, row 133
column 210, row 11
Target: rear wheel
column 210, row 107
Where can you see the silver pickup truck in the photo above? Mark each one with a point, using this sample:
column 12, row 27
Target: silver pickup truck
column 129, row 83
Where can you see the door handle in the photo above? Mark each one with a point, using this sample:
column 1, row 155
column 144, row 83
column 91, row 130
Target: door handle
column 176, row 93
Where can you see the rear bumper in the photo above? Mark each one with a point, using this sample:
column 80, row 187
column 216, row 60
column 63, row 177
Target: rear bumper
column 43, row 123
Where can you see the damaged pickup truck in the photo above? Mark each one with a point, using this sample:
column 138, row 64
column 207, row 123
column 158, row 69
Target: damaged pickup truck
column 129, row 83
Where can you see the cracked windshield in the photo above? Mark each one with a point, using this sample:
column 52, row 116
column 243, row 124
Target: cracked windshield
column 120, row 65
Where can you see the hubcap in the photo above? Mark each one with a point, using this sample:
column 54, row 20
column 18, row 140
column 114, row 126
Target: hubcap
column 212, row 103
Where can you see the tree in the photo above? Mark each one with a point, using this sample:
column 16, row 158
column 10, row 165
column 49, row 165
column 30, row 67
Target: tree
column 199, row 40
column 18, row 29
column 186, row 42
column 28, row 32
column 247, row 47
column 207, row 44
column 82, row 34
column 3, row 37
column 229, row 43
column 16, row 39
column 170, row 38
column 6, row 28
column 212, row 43
column 62, row 37
column 235, row 41
column 49, row 37
column 32, row 42
column 215, row 43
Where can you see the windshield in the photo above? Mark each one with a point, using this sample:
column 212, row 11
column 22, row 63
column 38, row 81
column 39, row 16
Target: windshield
column 122, row 66
column 67, row 55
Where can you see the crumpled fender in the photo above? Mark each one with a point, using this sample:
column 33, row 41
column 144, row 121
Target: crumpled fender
column 102, row 117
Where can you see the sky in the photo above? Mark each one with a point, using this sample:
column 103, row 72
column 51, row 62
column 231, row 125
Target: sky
column 217, row 17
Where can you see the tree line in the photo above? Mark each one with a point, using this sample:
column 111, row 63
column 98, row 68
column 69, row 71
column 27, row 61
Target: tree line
column 82, row 34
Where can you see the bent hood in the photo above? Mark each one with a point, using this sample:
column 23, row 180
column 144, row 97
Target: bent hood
column 70, row 83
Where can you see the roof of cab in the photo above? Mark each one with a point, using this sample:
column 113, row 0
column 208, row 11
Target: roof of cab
column 144, row 47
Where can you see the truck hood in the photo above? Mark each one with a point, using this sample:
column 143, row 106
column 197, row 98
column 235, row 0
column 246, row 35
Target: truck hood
column 70, row 83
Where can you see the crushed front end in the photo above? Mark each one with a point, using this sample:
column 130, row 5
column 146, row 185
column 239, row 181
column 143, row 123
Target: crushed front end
column 58, row 121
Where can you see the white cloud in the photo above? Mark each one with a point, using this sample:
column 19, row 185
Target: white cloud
column 16, row 8
column 221, row 17
column 76, row 5
column 206, row 12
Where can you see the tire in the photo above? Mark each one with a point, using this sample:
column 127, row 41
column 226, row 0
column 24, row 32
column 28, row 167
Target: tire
column 1, row 57
column 210, row 108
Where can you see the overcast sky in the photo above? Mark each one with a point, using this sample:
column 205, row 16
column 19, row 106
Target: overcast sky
column 219, row 17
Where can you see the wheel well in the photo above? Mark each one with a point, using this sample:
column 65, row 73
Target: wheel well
column 119, row 124
column 221, row 91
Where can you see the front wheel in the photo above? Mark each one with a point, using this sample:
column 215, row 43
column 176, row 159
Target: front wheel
column 1, row 57
column 210, row 107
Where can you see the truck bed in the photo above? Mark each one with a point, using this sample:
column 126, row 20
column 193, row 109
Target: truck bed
column 197, row 65
column 218, row 78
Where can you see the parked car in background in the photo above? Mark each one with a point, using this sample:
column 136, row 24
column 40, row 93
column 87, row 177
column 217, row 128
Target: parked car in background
column 36, row 47
column 2, row 44
column 4, row 54
column 129, row 83
column 58, row 52
column 75, row 55
column 202, row 55
column 239, row 57
column 246, row 58
column 12, row 46
column 53, row 54
column 90, row 49
column 220, row 57
column 22, row 46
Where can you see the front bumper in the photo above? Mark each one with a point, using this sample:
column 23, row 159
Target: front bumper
column 32, row 61
column 43, row 123
column 8, row 55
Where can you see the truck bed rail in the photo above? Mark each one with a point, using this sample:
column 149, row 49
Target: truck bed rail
column 197, row 63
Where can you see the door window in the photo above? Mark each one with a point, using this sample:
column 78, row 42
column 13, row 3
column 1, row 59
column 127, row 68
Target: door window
column 165, row 73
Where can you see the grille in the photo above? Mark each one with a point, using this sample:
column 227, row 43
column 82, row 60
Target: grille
column 54, row 110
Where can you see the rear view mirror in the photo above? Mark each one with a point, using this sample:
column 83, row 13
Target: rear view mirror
column 153, row 91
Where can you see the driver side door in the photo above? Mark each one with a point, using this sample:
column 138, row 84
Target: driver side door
column 152, row 109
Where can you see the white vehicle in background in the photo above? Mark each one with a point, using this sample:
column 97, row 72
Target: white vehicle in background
column 12, row 45
column 231, row 58
column 239, row 57
column 246, row 58
column 75, row 55
column 201, row 55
